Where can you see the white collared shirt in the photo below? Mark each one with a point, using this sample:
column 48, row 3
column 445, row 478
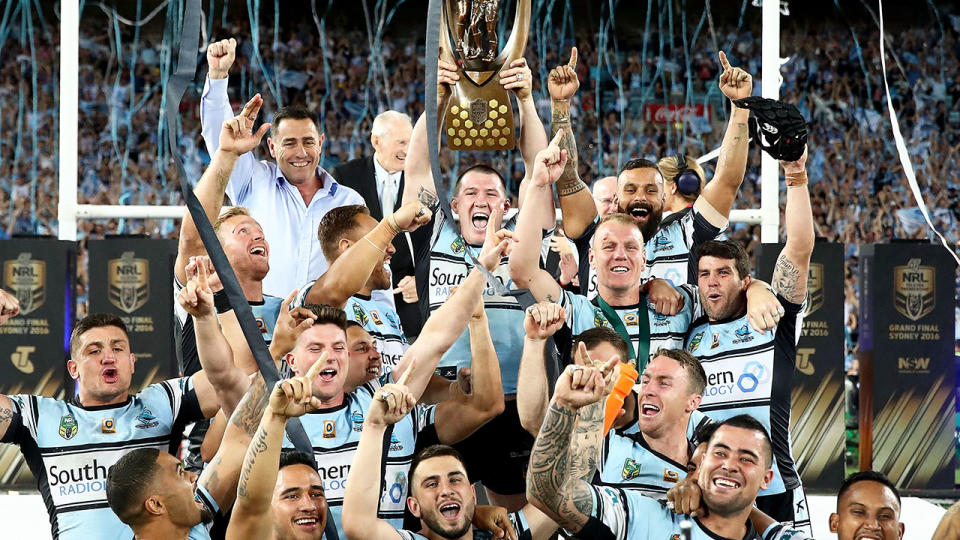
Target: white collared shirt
column 289, row 225
column 382, row 181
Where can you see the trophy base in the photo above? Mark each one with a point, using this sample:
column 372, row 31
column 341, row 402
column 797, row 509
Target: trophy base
column 480, row 116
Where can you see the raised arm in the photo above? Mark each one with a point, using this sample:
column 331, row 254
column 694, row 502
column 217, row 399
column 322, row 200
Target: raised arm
column 721, row 191
column 236, row 138
column 790, row 273
column 525, row 268
column 576, row 203
column 447, row 324
column 588, row 432
column 258, row 477
column 464, row 413
column 540, row 322
column 220, row 383
column 351, row 270
column 416, row 170
column 362, row 496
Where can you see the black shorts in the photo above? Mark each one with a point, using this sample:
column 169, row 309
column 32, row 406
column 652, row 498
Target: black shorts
column 497, row 454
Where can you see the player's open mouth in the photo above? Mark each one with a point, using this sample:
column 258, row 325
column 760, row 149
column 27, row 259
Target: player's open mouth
column 726, row 483
column 479, row 221
column 306, row 522
column 374, row 369
column 640, row 212
column 110, row 375
column 259, row 251
column 649, row 410
column 619, row 270
column 450, row 511
column 867, row 537
column 328, row 375
column 713, row 297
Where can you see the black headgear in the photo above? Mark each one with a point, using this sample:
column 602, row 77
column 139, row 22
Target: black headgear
column 777, row 127
column 687, row 179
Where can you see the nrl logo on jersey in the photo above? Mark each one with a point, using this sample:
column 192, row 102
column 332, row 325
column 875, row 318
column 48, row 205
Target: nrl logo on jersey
column 631, row 469
column 129, row 282
column 914, row 289
column 695, row 342
column 598, row 318
column 68, row 426
column 359, row 315
column 458, row 246
column 814, row 289
column 26, row 278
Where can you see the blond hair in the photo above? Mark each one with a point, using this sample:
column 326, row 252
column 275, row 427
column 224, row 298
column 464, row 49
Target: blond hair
column 229, row 213
column 669, row 169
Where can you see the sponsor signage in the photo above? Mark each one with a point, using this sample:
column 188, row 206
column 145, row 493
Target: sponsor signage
column 669, row 114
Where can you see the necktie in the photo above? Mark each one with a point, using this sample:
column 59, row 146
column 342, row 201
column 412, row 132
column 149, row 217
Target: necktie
column 389, row 196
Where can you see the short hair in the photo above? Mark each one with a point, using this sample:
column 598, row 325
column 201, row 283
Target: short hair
column 726, row 249
column 623, row 219
column 669, row 169
column 328, row 315
column 94, row 320
column 292, row 112
column 295, row 457
column 745, row 421
column 480, row 168
column 434, row 451
column 601, row 334
column 640, row 163
column 864, row 476
column 335, row 225
column 354, row 324
column 383, row 119
column 228, row 213
column 127, row 483
column 697, row 376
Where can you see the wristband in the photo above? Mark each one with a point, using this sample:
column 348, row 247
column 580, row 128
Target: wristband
column 221, row 302
column 796, row 179
column 374, row 245
column 392, row 221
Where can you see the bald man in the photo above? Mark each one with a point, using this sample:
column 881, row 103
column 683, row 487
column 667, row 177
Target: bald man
column 605, row 195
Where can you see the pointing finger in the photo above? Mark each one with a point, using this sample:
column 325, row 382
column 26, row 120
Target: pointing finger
column 317, row 367
column 573, row 58
column 723, row 61
column 557, row 138
column 285, row 305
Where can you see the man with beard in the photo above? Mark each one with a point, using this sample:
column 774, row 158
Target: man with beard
column 365, row 360
column 359, row 250
column 640, row 188
column 441, row 495
column 752, row 373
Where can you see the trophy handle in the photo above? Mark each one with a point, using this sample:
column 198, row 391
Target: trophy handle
column 518, row 36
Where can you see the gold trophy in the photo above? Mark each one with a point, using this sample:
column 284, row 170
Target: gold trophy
column 480, row 116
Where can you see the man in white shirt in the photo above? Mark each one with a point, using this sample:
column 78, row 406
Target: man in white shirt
column 288, row 196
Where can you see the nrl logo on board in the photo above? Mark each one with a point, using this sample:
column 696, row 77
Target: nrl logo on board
column 129, row 282
column 914, row 289
column 814, row 289
column 478, row 111
column 26, row 278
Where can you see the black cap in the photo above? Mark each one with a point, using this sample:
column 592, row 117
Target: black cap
column 777, row 127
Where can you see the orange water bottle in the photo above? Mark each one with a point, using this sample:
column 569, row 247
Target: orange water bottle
column 625, row 382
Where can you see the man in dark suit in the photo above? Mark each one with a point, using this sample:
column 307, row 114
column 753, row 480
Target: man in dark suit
column 379, row 180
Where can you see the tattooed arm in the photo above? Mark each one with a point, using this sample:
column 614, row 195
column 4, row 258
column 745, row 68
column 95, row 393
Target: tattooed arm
column 258, row 476
column 790, row 273
column 6, row 414
column 576, row 203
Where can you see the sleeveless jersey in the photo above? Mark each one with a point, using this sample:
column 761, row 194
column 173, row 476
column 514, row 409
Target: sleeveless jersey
column 626, row 513
column 626, row 460
column 335, row 434
column 751, row 373
column 69, row 449
column 668, row 252
column 448, row 266
column 666, row 331
column 516, row 518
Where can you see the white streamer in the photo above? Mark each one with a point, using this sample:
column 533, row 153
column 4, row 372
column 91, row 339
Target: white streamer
column 902, row 147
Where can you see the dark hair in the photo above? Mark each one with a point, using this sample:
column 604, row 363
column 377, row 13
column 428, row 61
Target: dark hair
column 697, row 377
column 480, row 168
column 704, row 431
column 328, row 315
column 726, row 249
column 127, row 483
column 864, row 476
column 430, row 452
column 745, row 421
column 623, row 219
column 94, row 320
column 601, row 334
column 295, row 457
column 639, row 163
column 336, row 224
column 354, row 324
column 292, row 112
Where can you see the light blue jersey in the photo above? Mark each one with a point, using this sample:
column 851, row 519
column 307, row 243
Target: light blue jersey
column 516, row 518
column 335, row 434
column 626, row 460
column 752, row 373
column 628, row 514
column 69, row 449
column 666, row 331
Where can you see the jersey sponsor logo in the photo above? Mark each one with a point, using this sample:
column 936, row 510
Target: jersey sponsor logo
column 376, row 317
column 716, row 341
column 458, row 246
column 262, row 325
column 397, row 490
column 129, row 282
column 728, row 382
column 662, row 243
column 108, row 425
column 357, row 419
column 695, row 341
column 359, row 315
column 20, row 358
column 631, row 469
column 146, row 420
column 743, row 335
column 671, row 476
column 329, row 429
column 26, row 278
column 68, row 426
column 631, row 319
column 914, row 289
